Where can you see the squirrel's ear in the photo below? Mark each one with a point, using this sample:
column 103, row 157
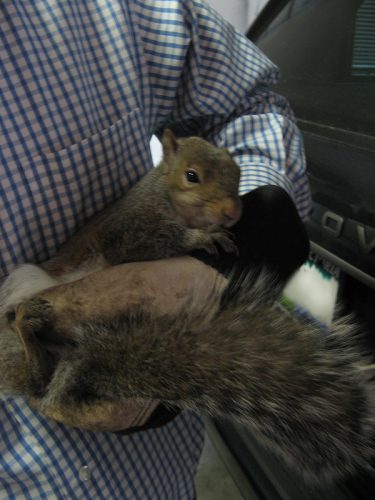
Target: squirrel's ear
column 170, row 144
column 226, row 150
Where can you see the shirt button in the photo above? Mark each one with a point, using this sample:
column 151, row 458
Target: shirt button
column 84, row 473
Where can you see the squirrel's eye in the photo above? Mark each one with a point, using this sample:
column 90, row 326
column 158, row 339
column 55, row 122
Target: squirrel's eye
column 192, row 176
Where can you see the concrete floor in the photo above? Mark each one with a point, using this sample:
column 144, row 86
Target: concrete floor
column 219, row 476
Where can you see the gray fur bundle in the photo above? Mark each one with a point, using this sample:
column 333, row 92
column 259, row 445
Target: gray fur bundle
column 306, row 393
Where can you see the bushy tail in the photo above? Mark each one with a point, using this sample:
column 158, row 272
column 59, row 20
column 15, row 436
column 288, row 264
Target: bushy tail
column 307, row 393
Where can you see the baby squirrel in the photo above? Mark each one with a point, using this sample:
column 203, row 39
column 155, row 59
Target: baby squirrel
column 308, row 395
column 183, row 204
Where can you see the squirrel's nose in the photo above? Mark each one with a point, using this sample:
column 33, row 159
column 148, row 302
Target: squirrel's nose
column 231, row 212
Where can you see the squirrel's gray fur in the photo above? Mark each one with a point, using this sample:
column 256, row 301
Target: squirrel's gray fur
column 308, row 394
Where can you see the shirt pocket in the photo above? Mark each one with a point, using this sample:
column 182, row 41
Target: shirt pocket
column 64, row 188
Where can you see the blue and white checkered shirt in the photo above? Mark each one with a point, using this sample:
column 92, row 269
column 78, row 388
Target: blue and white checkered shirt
column 84, row 85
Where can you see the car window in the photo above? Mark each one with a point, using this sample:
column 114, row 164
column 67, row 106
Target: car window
column 326, row 52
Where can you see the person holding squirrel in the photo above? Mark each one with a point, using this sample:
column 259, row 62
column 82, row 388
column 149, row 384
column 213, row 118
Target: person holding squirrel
column 84, row 86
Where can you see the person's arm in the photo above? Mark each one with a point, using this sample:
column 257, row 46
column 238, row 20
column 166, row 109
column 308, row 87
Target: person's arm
column 208, row 79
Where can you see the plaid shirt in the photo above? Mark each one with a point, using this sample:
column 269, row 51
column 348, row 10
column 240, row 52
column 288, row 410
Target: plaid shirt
column 84, row 85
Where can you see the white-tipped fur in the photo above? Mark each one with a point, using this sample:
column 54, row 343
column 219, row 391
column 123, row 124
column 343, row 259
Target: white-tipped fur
column 23, row 283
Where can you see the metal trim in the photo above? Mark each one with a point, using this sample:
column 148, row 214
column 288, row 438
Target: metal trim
column 356, row 273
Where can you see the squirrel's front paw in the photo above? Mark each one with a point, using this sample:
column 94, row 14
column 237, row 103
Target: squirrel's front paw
column 208, row 239
column 223, row 238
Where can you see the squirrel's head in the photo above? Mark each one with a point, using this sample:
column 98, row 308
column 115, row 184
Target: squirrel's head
column 202, row 181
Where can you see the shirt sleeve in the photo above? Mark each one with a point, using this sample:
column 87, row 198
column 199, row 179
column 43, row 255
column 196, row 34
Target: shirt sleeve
column 221, row 92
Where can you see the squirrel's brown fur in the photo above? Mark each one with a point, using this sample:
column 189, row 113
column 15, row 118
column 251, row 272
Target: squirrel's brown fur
column 164, row 215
